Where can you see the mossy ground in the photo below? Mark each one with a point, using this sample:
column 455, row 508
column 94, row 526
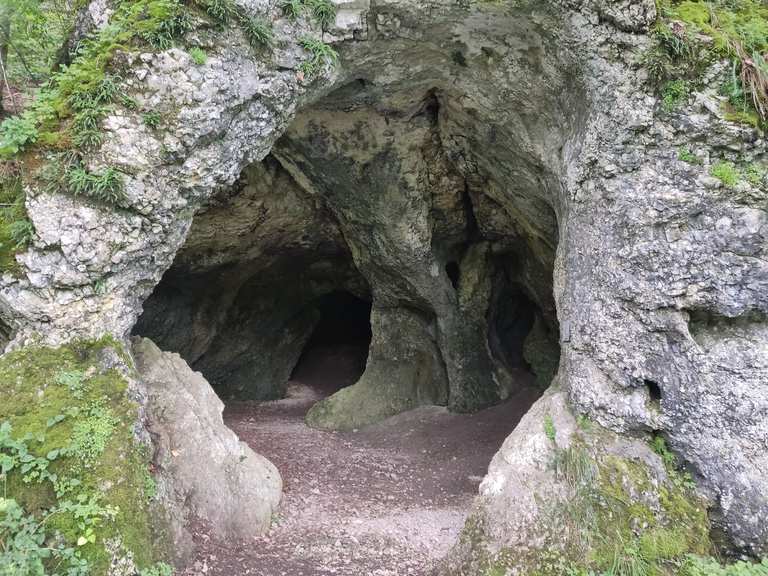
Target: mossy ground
column 116, row 471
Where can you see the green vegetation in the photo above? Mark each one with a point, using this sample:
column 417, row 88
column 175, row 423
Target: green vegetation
column 323, row 12
column 726, row 172
column 674, row 94
column 65, row 172
column 320, row 55
column 66, row 116
column 73, row 479
column 85, row 90
column 16, row 230
column 31, row 35
column 699, row 566
column 691, row 34
column 686, row 155
column 198, row 55
column 619, row 518
column 549, row 428
column 755, row 174
column 151, row 119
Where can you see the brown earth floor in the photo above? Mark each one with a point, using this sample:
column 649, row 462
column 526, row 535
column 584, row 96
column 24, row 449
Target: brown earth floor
column 388, row 500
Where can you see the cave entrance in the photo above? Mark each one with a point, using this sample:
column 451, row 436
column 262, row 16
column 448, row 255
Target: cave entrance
column 512, row 317
column 335, row 354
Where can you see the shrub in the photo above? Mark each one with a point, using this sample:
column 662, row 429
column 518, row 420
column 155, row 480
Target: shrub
column 16, row 133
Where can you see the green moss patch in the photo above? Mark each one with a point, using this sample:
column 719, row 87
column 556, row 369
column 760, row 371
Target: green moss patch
column 691, row 34
column 72, row 464
column 622, row 517
column 15, row 228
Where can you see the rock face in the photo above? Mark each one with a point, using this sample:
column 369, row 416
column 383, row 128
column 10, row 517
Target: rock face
column 489, row 175
column 202, row 467
column 562, row 493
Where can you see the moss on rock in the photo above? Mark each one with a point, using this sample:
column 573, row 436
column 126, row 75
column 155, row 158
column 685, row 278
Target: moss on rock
column 609, row 506
column 73, row 406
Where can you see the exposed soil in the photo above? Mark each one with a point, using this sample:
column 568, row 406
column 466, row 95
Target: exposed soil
column 388, row 500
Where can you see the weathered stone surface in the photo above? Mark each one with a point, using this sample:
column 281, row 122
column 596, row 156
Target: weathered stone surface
column 202, row 467
column 526, row 127
column 404, row 371
column 560, row 494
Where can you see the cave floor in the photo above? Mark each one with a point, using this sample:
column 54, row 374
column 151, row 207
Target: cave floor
column 388, row 500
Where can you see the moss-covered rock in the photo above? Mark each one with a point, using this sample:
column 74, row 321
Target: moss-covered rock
column 581, row 500
column 74, row 409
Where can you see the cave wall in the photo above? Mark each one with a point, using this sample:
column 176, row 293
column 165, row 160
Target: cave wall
column 547, row 122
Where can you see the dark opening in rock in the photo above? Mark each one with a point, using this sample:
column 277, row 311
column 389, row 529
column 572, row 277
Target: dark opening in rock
column 6, row 335
column 654, row 390
column 334, row 356
column 454, row 274
column 396, row 195
column 512, row 320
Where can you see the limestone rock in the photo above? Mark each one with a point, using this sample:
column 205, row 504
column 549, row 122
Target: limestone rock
column 462, row 154
column 203, row 468
column 561, row 493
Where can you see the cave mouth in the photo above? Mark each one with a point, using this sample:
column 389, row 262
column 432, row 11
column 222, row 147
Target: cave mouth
column 335, row 355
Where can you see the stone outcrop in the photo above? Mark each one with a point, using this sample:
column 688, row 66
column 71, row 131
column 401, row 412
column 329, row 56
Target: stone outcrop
column 462, row 155
column 567, row 493
column 202, row 469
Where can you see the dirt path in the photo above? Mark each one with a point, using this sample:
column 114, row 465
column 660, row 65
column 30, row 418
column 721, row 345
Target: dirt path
column 388, row 500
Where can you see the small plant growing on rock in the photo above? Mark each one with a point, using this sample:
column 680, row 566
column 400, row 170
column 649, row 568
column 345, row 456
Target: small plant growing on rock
column 152, row 119
column 755, row 174
column 21, row 232
column 198, row 55
column 674, row 94
column 323, row 11
column 549, row 428
column 106, row 186
column 321, row 55
column 684, row 154
column 726, row 172
column 292, row 8
column 257, row 30
column 16, row 230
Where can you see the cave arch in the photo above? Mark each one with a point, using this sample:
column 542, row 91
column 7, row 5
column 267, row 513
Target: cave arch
column 459, row 276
